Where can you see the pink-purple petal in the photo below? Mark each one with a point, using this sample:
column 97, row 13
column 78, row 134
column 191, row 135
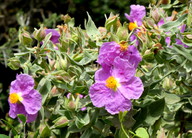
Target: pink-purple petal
column 23, row 83
column 118, row 103
column 32, row 102
column 99, row 94
column 137, row 14
column 122, row 69
column 102, row 74
column 132, row 89
column 55, row 35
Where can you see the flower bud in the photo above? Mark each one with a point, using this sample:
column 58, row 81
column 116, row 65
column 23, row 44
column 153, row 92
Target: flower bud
column 61, row 122
column 61, row 64
column 168, row 83
column 78, row 57
column 71, row 105
column 24, row 37
column 112, row 21
column 148, row 56
column 66, row 18
column 156, row 14
column 14, row 63
column 40, row 34
column 122, row 32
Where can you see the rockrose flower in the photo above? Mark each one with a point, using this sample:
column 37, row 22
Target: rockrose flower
column 55, row 35
column 110, row 50
column 23, row 98
column 115, row 86
column 136, row 16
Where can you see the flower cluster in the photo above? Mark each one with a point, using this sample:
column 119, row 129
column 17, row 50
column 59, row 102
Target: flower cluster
column 115, row 83
column 23, row 98
column 136, row 16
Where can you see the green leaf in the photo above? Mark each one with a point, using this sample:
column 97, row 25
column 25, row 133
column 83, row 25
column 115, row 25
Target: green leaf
column 91, row 28
column 87, row 133
column 155, row 110
column 15, row 132
column 171, row 98
column 46, row 133
column 170, row 25
column 122, row 134
column 44, row 87
column 22, row 118
column 184, row 52
column 3, row 136
column 81, row 122
column 142, row 133
column 88, row 57
column 46, row 40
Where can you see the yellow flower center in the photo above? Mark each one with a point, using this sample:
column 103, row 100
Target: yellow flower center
column 132, row 26
column 123, row 46
column 112, row 83
column 15, row 98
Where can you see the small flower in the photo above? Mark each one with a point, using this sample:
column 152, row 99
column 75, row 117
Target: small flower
column 110, row 50
column 115, row 86
column 23, row 98
column 55, row 35
column 136, row 16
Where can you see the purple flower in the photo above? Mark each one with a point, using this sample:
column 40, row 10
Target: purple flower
column 136, row 15
column 23, row 98
column 55, row 35
column 115, row 86
column 179, row 42
column 110, row 50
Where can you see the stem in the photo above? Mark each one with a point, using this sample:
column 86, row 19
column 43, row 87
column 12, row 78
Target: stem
column 124, row 130
column 24, row 131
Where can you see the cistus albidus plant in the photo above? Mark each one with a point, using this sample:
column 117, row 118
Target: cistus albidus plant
column 125, row 79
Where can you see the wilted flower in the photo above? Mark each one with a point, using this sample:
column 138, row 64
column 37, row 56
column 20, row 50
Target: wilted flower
column 115, row 86
column 136, row 16
column 23, row 98
column 55, row 35
column 110, row 50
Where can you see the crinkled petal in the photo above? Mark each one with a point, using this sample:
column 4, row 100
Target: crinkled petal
column 136, row 14
column 23, row 83
column 55, row 35
column 107, row 53
column 99, row 94
column 131, row 89
column 13, row 110
column 133, row 56
column 122, row 69
column 31, row 117
column 32, row 102
column 118, row 103
column 16, row 109
column 102, row 74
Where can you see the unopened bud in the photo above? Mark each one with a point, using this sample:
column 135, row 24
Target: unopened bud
column 39, row 34
column 112, row 21
column 24, row 37
column 66, row 18
column 156, row 14
column 61, row 122
column 148, row 56
column 71, row 105
column 14, row 63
